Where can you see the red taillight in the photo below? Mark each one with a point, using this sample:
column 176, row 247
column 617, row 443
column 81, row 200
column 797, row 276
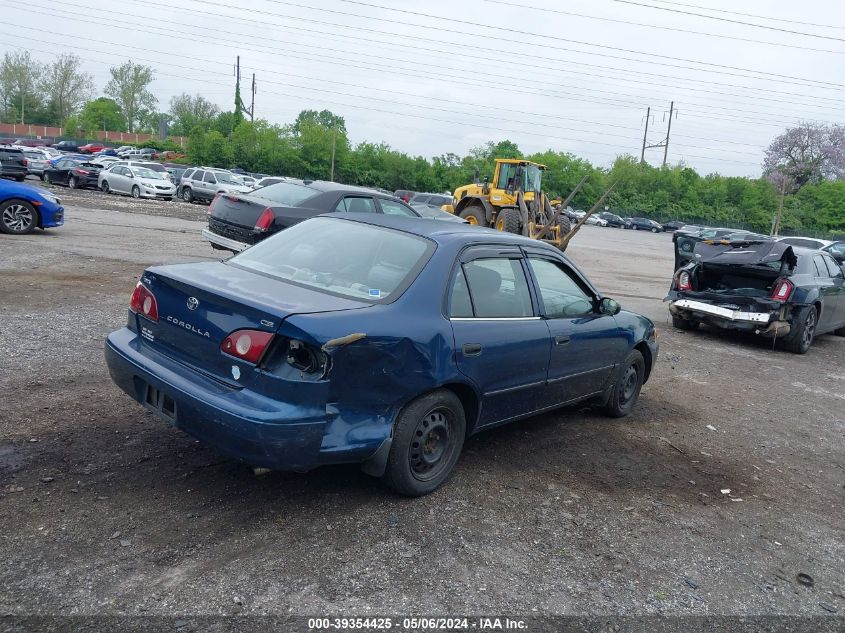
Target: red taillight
column 782, row 290
column 248, row 345
column 82, row 171
column 213, row 202
column 25, row 162
column 144, row 302
column 265, row 220
column 684, row 281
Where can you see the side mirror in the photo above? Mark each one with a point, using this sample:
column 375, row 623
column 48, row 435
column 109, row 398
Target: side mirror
column 609, row 306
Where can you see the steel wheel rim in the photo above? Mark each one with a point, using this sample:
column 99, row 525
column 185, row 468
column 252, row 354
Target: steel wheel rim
column 471, row 219
column 809, row 329
column 500, row 225
column 628, row 386
column 17, row 217
column 431, row 445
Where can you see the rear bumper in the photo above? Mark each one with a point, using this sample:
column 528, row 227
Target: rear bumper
column 764, row 323
column 224, row 242
column 237, row 422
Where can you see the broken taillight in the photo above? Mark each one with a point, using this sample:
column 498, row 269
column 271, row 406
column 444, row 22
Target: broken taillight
column 143, row 302
column 782, row 290
column 248, row 345
column 684, row 281
column 213, row 202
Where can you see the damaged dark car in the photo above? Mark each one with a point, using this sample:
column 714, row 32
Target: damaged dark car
column 763, row 287
column 374, row 339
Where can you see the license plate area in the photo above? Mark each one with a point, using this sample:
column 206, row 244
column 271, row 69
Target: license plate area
column 160, row 404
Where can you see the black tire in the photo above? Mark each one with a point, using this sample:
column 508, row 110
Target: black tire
column 635, row 227
column 73, row 183
column 840, row 331
column 626, row 388
column 427, row 440
column 800, row 337
column 42, row 177
column 654, row 230
column 187, row 195
column 565, row 224
column 17, row 217
column 20, row 178
column 136, row 191
column 508, row 220
column 105, row 187
column 474, row 215
column 684, row 324
column 47, row 180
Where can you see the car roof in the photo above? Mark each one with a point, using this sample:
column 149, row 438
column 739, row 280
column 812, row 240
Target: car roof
column 442, row 232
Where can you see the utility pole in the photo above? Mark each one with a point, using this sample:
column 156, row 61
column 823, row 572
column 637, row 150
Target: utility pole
column 776, row 221
column 239, row 103
column 645, row 134
column 252, row 101
column 668, row 132
column 334, row 144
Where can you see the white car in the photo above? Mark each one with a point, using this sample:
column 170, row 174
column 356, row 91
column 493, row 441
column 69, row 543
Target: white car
column 595, row 220
column 138, row 182
column 105, row 161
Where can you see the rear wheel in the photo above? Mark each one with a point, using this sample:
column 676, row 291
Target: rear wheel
column 800, row 337
column 684, row 324
column 136, row 192
column 635, row 227
column 427, row 441
column 105, row 187
column 626, row 390
column 72, row 182
column 840, row 331
column 654, row 230
column 508, row 221
column 46, row 178
column 474, row 215
column 17, row 217
column 187, row 195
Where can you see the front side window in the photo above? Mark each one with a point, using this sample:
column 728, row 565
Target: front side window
column 209, row 178
column 350, row 259
column 561, row 294
column 357, row 205
column 832, row 267
column 498, row 288
column 391, row 207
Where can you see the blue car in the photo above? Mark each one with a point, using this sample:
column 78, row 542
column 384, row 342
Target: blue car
column 24, row 207
column 374, row 339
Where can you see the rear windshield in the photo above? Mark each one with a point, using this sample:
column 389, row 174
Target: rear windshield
column 286, row 193
column 153, row 166
column 350, row 259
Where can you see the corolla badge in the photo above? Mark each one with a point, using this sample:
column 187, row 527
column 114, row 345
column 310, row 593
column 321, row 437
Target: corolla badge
column 193, row 303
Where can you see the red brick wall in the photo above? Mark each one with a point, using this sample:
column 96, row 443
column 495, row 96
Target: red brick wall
column 43, row 131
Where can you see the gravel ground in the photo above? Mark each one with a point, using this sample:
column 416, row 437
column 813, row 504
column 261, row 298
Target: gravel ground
column 106, row 511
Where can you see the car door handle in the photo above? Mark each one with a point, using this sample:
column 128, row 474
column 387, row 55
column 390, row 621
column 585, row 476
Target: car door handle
column 561, row 340
column 472, row 349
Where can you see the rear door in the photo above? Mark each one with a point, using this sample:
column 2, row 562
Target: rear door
column 829, row 291
column 501, row 344
column 586, row 345
column 837, row 292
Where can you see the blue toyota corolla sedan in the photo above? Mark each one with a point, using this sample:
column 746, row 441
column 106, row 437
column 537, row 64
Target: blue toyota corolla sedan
column 24, row 207
column 381, row 340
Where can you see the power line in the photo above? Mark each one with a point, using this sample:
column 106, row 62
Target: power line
column 665, row 28
column 498, row 29
column 749, row 15
column 713, row 17
column 612, row 100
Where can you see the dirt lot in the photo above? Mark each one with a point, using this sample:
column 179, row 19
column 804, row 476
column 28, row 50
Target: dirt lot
column 105, row 510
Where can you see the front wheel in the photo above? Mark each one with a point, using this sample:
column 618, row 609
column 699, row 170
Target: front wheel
column 187, row 195
column 136, row 192
column 17, row 217
column 47, row 180
column 427, row 441
column 626, row 390
column 474, row 215
column 654, row 230
column 508, row 221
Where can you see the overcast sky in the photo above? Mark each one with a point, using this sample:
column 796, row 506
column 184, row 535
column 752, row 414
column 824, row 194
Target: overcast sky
column 434, row 77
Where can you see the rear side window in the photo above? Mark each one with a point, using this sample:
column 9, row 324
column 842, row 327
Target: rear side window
column 498, row 288
column 820, row 267
column 421, row 198
column 832, row 267
column 198, row 174
column 391, row 207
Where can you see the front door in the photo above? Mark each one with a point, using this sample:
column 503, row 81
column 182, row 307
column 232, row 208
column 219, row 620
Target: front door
column 501, row 344
column 586, row 345
column 835, row 296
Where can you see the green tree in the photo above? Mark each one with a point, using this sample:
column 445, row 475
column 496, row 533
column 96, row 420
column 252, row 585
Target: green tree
column 20, row 77
column 187, row 112
column 66, row 87
column 129, row 87
column 99, row 114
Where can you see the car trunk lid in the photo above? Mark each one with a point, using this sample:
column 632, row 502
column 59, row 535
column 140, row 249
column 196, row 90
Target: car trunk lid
column 199, row 305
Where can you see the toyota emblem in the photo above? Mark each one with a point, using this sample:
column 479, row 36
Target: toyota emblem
column 193, row 303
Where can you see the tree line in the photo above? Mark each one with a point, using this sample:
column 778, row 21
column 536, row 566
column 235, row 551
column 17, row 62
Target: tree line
column 803, row 168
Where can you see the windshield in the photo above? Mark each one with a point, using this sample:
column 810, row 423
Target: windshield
column 351, row 259
column 286, row 193
column 143, row 172
column 533, row 176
